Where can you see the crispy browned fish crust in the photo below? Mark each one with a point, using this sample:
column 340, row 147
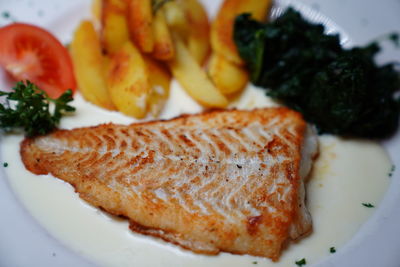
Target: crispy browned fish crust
column 216, row 181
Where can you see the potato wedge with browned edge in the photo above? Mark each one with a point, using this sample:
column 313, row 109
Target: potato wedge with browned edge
column 96, row 10
column 114, row 27
column 176, row 18
column 228, row 77
column 193, row 78
column 160, row 79
column 222, row 27
column 88, row 62
column 198, row 39
column 163, row 46
column 140, row 18
column 128, row 81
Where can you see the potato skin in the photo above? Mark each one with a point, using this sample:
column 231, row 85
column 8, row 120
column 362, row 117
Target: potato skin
column 88, row 61
column 163, row 45
column 114, row 27
column 193, row 78
column 188, row 19
column 228, row 77
column 160, row 79
column 128, row 81
column 222, row 27
column 140, row 19
column 198, row 41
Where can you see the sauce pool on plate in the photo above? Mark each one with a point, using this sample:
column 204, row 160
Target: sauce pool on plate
column 347, row 175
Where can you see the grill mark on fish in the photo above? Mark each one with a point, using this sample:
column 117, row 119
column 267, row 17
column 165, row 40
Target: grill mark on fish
column 219, row 143
column 236, row 136
column 207, row 142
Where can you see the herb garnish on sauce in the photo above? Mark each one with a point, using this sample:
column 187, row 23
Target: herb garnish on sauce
column 392, row 170
column 341, row 90
column 28, row 107
column 368, row 205
column 301, row 262
column 5, row 14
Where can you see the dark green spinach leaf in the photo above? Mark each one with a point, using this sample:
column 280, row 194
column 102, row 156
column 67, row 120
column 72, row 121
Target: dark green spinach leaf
column 342, row 91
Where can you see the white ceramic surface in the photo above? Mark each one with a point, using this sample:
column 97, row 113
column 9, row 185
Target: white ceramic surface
column 23, row 242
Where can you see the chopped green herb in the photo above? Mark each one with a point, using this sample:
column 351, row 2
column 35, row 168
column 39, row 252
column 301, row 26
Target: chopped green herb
column 6, row 14
column 5, row 164
column 254, row 262
column 395, row 38
column 392, row 170
column 332, row 250
column 340, row 90
column 27, row 107
column 301, row 262
column 368, row 205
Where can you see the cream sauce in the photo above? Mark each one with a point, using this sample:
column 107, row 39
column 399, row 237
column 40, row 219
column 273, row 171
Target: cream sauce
column 347, row 174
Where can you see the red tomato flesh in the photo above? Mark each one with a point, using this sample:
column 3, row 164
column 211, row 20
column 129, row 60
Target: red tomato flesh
column 28, row 52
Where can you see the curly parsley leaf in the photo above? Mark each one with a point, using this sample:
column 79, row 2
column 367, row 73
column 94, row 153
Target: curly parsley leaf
column 29, row 108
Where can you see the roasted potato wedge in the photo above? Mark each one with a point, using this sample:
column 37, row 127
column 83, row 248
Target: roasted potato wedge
column 128, row 81
column 96, row 10
column 88, row 62
column 160, row 79
column 222, row 27
column 140, row 18
column 227, row 76
column 193, row 78
column 198, row 40
column 163, row 46
column 114, row 27
column 176, row 18
column 189, row 20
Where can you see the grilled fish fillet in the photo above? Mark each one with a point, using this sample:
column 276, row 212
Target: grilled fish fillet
column 217, row 181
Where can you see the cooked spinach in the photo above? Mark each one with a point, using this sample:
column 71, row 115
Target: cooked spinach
column 342, row 91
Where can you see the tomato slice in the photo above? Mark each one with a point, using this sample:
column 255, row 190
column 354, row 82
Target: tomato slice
column 28, row 52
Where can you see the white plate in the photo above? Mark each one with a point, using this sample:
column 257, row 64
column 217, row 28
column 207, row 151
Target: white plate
column 23, row 242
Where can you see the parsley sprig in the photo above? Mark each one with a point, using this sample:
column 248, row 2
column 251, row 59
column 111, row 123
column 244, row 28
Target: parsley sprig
column 29, row 108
